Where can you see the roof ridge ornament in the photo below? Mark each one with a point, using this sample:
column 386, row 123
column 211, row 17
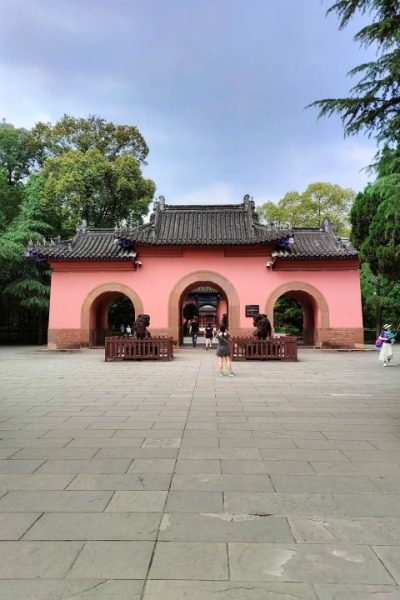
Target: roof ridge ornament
column 328, row 226
column 82, row 227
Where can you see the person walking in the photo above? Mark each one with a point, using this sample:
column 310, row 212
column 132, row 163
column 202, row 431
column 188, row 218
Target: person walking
column 209, row 334
column 194, row 331
column 387, row 338
column 223, row 338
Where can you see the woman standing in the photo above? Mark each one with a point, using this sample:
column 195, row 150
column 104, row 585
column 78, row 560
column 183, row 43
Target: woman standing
column 209, row 334
column 387, row 337
column 223, row 338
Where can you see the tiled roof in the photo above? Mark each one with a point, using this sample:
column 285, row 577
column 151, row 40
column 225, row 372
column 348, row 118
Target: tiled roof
column 314, row 243
column 88, row 244
column 207, row 225
column 231, row 224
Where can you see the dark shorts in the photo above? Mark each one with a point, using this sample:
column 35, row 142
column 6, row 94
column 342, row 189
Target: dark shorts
column 224, row 351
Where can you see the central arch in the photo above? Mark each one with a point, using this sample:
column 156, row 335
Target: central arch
column 208, row 278
column 317, row 318
column 106, row 293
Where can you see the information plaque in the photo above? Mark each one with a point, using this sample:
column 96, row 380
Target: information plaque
column 252, row 310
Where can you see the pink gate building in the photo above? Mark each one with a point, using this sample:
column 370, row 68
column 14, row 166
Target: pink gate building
column 220, row 253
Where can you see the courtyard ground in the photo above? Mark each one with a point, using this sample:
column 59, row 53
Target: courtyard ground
column 163, row 481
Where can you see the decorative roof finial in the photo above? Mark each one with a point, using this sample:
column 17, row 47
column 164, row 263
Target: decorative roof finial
column 82, row 226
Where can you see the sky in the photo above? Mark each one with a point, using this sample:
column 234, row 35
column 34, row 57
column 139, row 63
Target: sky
column 218, row 88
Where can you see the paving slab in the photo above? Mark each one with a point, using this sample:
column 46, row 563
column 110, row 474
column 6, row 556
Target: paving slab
column 357, row 592
column 87, row 589
column 13, row 527
column 365, row 530
column 194, row 502
column 190, row 560
column 95, row 526
column 65, row 501
column 314, row 563
column 228, row 590
column 138, row 501
column 112, row 560
column 128, row 481
column 390, row 556
column 30, row 560
column 223, row 527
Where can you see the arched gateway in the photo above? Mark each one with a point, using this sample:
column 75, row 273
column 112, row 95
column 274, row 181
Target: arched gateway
column 95, row 311
column 314, row 305
column 221, row 251
column 203, row 278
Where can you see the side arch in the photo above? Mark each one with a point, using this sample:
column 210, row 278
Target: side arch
column 317, row 330
column 205, row 278
column 94, row 294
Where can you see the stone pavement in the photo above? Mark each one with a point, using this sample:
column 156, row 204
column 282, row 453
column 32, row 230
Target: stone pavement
column 163, row 481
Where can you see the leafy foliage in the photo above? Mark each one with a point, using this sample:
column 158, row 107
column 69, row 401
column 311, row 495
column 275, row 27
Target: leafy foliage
column 83, row 135
column 318, row 202
column 375, row 218
column 190, row 310
column 26, row 281
column 288, row 315
column 86, row 185
column 51, row 178
column 374, row 103
column 381, row 299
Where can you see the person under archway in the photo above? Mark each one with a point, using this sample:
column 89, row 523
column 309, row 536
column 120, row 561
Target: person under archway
column 194, row 331
column 209, row 334
column 223, row 338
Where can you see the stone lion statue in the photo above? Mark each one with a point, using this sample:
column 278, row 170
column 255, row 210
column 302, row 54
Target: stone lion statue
column 262, row 327
column 140, row 328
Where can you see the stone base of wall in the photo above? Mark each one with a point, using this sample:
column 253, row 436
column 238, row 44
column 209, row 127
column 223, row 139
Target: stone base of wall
column 64, row 339
column 341, row 338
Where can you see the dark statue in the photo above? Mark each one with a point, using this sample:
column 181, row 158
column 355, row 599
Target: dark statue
column 140, row 328
column 262, row 327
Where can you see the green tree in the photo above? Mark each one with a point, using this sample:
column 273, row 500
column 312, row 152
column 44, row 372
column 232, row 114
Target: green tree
column 18, row 154
column 82, row 135
column 190, row 310
column 86, row 185
column 381, row 299
column 373, row 105
column 375, row 218
column 309, row 209
column 26, row 283
column 91, row 169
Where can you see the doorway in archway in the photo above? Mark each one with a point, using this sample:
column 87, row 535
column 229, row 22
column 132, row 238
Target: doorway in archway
column 295, row 314
column 108, row 312
column 205, row 303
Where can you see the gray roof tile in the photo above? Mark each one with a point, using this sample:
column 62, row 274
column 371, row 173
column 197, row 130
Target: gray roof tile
column 207, row 225
column 315, row 243
column 88, row 244
column 218, row 225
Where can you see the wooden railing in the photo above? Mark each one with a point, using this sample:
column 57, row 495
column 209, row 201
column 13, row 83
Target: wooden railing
column 129, row 348
column 276, row 348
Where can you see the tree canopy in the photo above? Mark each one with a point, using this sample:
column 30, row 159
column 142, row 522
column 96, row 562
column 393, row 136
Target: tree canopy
column 51, row 178
column 86, row 185
column 375, row 218
column 18, row 155
column 319, row 201
column 373, row 104
column 83, row 135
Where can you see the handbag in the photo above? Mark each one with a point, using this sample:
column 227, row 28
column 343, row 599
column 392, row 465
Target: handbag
column 378, row 343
